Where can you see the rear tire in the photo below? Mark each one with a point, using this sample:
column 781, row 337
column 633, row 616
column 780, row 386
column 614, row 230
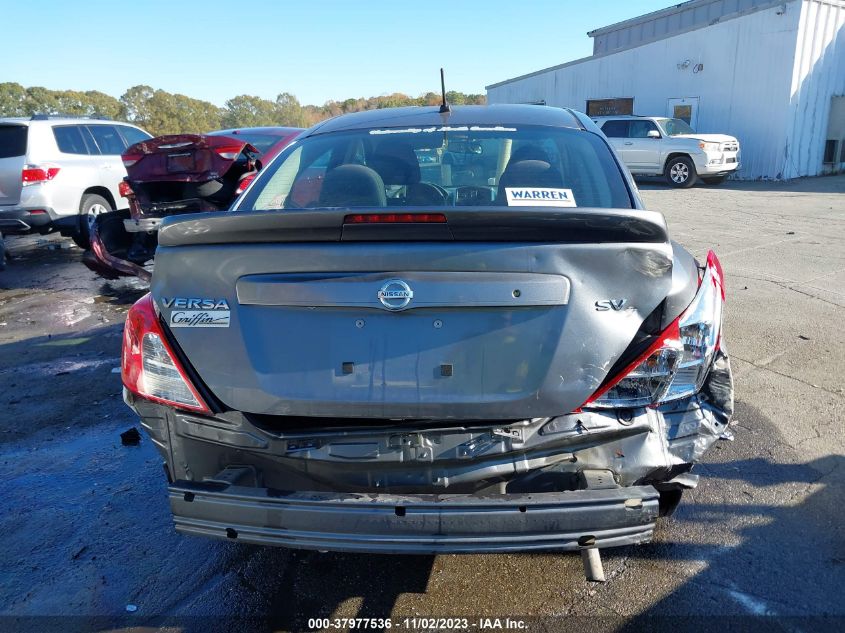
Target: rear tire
column 715, row 180
column 680, row 172
column 90, row 207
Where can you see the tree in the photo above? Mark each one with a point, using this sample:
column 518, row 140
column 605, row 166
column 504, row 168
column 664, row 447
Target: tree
column 41, row 101
column 102, row 105
column 12, row 99
column 160, row 112
column 135, row 102
column 249, row 111
column 289, row 111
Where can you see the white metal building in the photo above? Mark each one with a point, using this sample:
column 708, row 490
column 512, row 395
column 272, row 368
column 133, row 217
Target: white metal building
column 771, row 73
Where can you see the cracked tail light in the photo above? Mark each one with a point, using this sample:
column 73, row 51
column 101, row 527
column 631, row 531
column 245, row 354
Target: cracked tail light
column 677, row 363
column 149, row 368
column 229, row 152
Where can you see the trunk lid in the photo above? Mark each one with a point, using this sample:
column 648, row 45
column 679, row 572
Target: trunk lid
column 184, row 158
column 186, row 173
column 13, row 139
column 311, row 318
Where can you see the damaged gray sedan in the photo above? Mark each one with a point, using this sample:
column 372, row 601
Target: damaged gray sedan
column 427, row 330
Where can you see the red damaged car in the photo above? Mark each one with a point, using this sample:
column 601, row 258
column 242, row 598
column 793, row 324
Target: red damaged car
column 174, row 175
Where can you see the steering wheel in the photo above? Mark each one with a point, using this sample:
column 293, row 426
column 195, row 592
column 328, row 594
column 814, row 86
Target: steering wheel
column 429, row 193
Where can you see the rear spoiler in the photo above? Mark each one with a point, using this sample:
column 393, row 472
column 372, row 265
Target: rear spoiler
column 475, row 224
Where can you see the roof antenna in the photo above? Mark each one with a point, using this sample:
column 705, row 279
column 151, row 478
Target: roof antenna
column 445, row 108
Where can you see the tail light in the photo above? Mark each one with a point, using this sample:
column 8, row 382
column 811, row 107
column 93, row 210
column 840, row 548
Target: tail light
column 229, row 152
column 395, row 218
column 677, row 363
column 124, row 189
column 149, row 367
column 34, row 174
column 130, row 159
column 244, row 183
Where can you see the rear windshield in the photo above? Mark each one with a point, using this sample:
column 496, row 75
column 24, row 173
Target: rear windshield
column 12, row 140
column 443, row 166
column 261, row 142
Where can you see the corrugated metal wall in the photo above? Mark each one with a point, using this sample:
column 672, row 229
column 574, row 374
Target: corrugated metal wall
column 744, row 87
column 667, row 22
column 818, row 75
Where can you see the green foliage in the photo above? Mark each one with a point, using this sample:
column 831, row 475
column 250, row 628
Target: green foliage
column 160, row 112
column 15, row 100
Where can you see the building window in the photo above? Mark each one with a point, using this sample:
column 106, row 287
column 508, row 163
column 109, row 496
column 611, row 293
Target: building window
column 610, row 107
column 683, row 112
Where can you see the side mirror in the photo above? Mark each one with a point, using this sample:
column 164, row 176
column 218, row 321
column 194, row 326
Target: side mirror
column 653, row 134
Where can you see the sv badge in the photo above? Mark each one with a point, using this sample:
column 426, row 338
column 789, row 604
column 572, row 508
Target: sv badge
column 611, row 304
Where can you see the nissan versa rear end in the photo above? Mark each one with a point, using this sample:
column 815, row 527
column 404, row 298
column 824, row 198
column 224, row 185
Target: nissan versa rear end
column 426, row 331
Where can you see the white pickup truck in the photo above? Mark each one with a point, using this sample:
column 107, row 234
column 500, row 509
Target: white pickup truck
column 660, row 146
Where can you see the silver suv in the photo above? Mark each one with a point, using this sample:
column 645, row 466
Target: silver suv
column 660, row 146
column 59, row 173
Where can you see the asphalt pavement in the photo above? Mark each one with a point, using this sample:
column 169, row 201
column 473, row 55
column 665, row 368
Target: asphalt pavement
column 88, row 535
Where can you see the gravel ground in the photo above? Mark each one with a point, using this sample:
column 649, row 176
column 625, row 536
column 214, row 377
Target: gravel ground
column 88, row 531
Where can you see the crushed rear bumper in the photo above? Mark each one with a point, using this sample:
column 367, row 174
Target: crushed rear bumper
column 417, row 524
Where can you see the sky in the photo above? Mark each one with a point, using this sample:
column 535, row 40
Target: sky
column 315, row 49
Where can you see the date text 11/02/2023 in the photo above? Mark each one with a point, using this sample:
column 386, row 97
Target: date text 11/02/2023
column 420, row 623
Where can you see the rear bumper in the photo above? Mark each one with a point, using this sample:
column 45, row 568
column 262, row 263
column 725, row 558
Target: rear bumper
column 23, row 220
column 417, row 524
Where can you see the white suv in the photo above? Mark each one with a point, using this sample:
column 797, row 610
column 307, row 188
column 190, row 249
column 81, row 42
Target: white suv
column 59, row 173
column 659, row 146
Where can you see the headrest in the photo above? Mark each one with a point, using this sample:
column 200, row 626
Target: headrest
column 529, row 152
column 529, row 173
column 352, row 186
column 396, row 163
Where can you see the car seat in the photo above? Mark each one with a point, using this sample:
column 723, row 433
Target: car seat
column 352, row 186
column 528, row 173
column 397, row 165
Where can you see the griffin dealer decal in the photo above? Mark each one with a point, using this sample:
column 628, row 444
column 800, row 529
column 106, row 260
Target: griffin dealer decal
column 197, row 312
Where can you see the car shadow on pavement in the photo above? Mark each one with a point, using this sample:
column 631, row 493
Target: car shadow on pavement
column 331, row 585
column 785, row 572
column 760, row 543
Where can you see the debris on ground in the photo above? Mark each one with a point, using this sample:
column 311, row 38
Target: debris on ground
column 130, row 437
